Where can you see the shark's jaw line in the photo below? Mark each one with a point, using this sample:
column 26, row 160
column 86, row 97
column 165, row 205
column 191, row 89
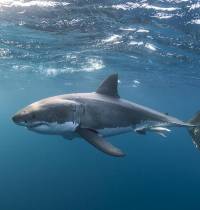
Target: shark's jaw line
column 52, row 127
column 35, row 125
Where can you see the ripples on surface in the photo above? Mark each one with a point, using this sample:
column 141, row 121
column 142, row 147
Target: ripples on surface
column 52, row 38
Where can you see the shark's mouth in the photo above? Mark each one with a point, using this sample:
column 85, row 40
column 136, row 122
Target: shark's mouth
column 52, row 128
column 36, row 124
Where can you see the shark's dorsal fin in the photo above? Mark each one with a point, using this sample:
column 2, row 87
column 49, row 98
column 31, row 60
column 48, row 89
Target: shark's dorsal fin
column 109, row 86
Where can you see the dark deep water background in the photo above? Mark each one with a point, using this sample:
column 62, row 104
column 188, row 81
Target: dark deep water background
column 55, row 47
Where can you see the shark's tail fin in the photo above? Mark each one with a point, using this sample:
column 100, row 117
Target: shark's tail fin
column 195, row 129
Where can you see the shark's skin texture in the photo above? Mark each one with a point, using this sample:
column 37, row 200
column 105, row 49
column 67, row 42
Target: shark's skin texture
column 94, row 116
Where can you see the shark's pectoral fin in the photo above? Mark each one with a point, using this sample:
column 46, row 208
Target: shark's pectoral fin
column 96, row 140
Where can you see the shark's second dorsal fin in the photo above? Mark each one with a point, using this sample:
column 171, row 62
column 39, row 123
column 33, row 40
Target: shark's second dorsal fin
column 109, row 86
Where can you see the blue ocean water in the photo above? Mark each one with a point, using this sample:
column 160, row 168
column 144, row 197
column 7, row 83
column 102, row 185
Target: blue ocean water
column 55, row 47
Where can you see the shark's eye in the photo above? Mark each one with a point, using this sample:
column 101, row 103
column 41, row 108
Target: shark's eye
column 33, row 116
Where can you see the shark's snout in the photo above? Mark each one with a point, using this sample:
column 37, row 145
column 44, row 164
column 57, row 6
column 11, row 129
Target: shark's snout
column 15, row 118
column 18, row 119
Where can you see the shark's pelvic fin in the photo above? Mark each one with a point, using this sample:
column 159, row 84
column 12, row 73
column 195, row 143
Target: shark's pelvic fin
column 109, row 86
column 93, row 138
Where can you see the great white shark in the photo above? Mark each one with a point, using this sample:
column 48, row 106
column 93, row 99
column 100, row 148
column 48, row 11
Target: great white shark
column 94, row 116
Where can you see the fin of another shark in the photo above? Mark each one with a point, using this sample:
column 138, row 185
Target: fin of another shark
column 109, row 86
column 93, row 138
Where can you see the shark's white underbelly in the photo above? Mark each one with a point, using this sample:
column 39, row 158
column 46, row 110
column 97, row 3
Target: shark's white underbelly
column 70, row 127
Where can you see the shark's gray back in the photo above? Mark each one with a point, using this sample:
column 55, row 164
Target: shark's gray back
column 101, row 111
column 105, row 109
